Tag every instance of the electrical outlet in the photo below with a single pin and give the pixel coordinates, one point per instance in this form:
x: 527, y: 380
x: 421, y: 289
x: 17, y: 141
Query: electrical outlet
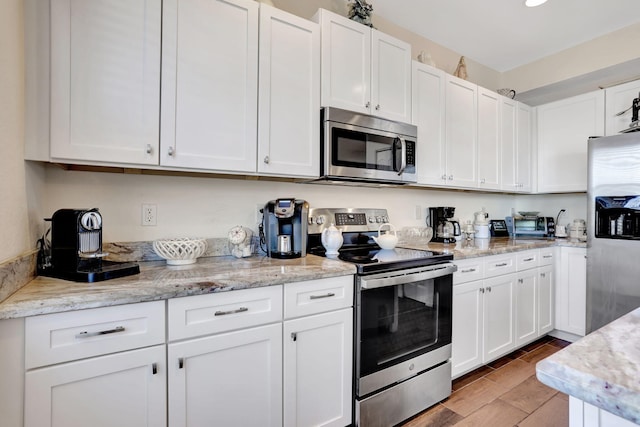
x: 149, y: 215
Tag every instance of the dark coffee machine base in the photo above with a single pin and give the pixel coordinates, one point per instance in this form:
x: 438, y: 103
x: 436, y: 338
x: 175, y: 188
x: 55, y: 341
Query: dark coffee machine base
x: 286, y: 255
x: 108, y: 270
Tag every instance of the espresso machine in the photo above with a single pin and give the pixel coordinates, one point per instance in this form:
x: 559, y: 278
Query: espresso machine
x: 284, y: 223
x: 75, y: 249
x: 445, y: 228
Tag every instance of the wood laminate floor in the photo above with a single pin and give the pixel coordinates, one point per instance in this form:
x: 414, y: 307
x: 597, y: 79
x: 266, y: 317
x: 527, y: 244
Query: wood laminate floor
x: 504, y: 393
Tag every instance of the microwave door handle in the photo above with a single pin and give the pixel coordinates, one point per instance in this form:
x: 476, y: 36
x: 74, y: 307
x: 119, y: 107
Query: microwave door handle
x: 403, y: 155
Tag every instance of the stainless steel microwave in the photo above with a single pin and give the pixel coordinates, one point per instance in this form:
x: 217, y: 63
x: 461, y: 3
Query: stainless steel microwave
x: 358, y: 147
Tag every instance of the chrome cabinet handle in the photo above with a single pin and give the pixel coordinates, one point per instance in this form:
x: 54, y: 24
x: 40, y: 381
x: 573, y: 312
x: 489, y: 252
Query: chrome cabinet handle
x: 294, y: 336
x: 547, y: 256
x: 503, y: 264
x: 154, y: 368
x: 470, y: 270
x: 328, y: 295
x: 115, y: 330
x: 171, y: 151
x: 367, y: 105
x: 527, y: 259
x: 267, y: 159
x: 223, y: 313
x: 149, y: 149
x: 180, y: 363
x: 377, y: 107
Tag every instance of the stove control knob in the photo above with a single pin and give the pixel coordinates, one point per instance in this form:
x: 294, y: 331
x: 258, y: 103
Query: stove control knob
x: 385, y: 219
x: 378, y: 219
x: 320, y: 220
x: 372, y: 219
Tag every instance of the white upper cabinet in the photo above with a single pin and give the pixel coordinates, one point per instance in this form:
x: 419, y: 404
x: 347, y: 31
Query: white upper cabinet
x: 105, y: 80
x: 508, y: 145
x: 524, y: 149
x: 428, y: 112
x: 489, y: 132
x: 564, y: 128
x: 209, y: 84
x: 289, y: 95
x: 364, y: 70
x: 617, y: 100
x: 461, y: 132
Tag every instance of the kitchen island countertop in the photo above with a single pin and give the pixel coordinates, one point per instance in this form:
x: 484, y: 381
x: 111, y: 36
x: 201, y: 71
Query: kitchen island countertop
x: 601, y: 369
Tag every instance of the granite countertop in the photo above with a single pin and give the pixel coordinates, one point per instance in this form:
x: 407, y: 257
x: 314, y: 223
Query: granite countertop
x: 157, y: 281
x: 601, y: 369
x: 494, y: 246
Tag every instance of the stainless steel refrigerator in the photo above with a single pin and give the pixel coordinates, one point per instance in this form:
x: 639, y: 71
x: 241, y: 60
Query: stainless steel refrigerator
x: 613, y: 236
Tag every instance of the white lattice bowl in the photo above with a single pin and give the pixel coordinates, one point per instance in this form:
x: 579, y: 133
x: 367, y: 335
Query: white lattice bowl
x: 180, y: 251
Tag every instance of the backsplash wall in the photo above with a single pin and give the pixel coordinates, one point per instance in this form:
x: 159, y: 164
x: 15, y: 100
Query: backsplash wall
x: 209, y: 207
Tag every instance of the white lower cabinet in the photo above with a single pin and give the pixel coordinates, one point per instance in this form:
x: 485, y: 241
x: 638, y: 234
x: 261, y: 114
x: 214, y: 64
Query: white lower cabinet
x: 317, y: 369
x: 120, y: 384
x: 571, y: 291
x: 500, y: 303
x: 227, y: 379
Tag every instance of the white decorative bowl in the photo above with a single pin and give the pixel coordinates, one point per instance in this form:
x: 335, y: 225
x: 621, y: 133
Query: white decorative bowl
x: 180, y: 251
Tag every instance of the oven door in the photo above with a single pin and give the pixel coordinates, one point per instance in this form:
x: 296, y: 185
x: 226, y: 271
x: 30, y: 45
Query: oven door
x: 361, y: 153
x: 403, y: 324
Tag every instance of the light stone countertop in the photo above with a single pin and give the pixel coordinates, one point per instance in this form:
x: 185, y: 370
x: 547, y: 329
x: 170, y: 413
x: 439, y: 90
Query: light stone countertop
x: 602, y: 369
x: 157, y: 281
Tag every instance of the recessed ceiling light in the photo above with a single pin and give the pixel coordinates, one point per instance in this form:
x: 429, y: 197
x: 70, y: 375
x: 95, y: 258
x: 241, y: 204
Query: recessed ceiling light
x: 534, y: 3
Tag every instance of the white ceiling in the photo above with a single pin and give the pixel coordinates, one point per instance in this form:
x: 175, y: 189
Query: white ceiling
x: 505, y: 34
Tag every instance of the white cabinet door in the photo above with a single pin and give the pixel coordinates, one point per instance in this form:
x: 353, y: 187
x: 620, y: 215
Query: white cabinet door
x: 428, y: 106
x: 390, y: 77
x: 209, y: 84
x: 467, y: 330
x: 489, y: 132
x: 105, y: 80
x: 289, y: 95
x: 618, y: 99
x: 564, y: 128
x: 232, y: 379
x: 461, y: 132
x: 499, y: 316
x: 126, y: 389
x: 508, y: 145
x: 318, y: 369
x: 545, y: 299
x: 526, y: 306
x: 346, y: 62
x: 571, y: 291
x: 524, y: 149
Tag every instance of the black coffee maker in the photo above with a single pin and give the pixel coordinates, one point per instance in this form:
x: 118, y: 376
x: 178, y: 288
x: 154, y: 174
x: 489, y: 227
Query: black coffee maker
x: 284, y: 223
x: 75, y: 249
x: 445, y: 228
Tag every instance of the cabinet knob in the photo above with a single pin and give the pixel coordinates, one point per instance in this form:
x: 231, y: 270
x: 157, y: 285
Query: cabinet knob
x: 482, y: 181
x: 266, y: 159
x: 482, y: 290
x: 367, y: 105
x: 149, y: 149
x: 543, y: 275
x: 450, y: 177
x: 171, y: 151
x: 488, y: 288
x: 154, y: 368
x: 444, y: 177
x: 294, y: 336
x: 377, y: 107
x: 520, y: 281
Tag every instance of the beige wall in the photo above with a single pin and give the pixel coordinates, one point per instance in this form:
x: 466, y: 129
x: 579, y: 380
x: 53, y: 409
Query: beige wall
x: 15, y: 236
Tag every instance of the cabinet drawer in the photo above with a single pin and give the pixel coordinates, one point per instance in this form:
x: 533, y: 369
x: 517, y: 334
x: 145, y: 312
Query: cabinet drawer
x: 317, y: 296
x: 468, y: 270
x: 499, y: 264
x: 61, y: 337
x: 527, y: 259
x: 224, y: 311
x: 547, y: 256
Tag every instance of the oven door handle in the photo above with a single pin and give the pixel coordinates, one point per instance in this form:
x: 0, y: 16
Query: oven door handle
x: 401, y: 279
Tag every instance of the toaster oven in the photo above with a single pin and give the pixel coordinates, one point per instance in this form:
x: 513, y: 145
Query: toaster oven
x: 531, y: 226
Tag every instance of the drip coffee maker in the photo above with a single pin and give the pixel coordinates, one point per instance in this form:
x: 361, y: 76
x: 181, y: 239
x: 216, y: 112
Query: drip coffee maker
x: 447, y: 229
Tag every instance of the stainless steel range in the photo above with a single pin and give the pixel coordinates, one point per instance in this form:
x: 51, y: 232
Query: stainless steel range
x: 402, y: 318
